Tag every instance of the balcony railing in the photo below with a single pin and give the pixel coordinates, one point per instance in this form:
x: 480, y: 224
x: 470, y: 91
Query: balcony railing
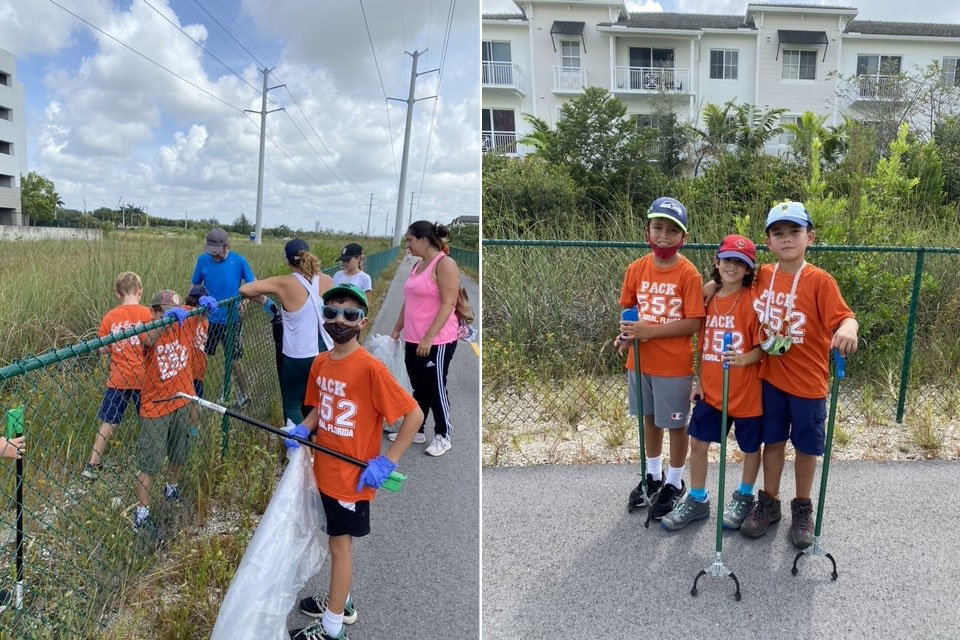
x: 502, y: 74
x: 500, y: 141
x: 874, y: 86
x: 569, y: 78
x: 651, y: 80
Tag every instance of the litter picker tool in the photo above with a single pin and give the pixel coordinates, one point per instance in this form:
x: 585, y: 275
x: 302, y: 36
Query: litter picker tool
x: 393, y: 483
x: 718, y: 569
x: 642, y: 490
x: 15, y: 430
x: 815, y: 549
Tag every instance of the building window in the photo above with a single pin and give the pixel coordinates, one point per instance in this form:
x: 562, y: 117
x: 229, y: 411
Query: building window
x: 499, y: 130
x: 951, y: 71
x: 6, y: 181
x: 799, y: 65
x: 723, y: 64
x: 6, y: 147
x: 570, y: 54
x: 497, y: 65
x: 786, y: 137
x: 878, y: 65
x: 4, y: 78
x: 4, y: 113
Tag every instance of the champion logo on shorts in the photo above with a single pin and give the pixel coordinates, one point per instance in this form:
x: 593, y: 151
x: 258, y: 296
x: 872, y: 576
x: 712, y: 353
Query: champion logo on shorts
x: 676, y: 415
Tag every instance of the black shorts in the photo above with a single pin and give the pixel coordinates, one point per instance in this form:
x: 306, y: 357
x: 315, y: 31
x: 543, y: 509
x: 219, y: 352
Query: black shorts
x: 217, y: 333
x: 344, y: 522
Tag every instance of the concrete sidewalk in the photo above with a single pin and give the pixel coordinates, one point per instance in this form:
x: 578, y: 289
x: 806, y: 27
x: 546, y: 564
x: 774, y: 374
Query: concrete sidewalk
x: 417, y: 575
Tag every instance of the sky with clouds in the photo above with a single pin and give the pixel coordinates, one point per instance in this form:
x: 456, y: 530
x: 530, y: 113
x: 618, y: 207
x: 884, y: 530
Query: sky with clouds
x: 105, y: 124
x: 893, y: 10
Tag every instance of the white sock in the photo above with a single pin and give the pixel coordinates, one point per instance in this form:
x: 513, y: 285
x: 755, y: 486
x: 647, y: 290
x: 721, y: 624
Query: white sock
x: 655, y: 467
x: 674, y: 476
x: 172, y: 487
x: 142, y: 512
x: 332, y: 622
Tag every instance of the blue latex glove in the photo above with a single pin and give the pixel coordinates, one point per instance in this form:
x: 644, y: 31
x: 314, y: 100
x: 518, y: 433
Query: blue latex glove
x: 209, y: 303
x: 179, y: 314
x: 377, y: 471
x: 270, y: 307
x: 301, y: 431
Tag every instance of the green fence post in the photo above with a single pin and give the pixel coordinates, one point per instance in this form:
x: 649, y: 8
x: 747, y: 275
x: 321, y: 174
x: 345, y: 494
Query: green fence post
x: 233, y: 315
x: 911, y: 324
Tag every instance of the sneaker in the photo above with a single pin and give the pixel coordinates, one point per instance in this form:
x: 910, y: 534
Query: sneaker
x: 146, y: 525
x: 637, y: 499
x: 736, y: 512
x: 91, y: 471
x: 668, y: 499
x: 314, y: 606
x: 171, y: 492
x: 419, y: 438
x: 801, y: 523
x: 439, y: 446
x: 316, y: 632
x: 765, y: 512
x: 685, y: 513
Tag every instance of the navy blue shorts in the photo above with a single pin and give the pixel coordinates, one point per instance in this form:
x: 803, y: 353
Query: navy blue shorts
x: 198, y: 388
x: 705, y: 426
x: 342, y: 521
x: 799, y: 419
x: 114, y: 404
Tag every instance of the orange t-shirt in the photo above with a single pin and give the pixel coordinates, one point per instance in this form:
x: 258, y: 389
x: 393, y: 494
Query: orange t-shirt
x: 817, y: 313
x: 662, y: 296
x: 353, y: 397
x: 195, y: 328
x: 168, y: 371
x: 730, y: 314
x: 126, y: 356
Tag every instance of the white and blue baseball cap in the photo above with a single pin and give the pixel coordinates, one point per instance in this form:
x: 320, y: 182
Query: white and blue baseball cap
x: 671, y: 209
x: 789, y: 211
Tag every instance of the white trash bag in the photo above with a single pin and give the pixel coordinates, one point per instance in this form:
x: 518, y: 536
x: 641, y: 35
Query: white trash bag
x: 287, y: 549
x: 391, y: 353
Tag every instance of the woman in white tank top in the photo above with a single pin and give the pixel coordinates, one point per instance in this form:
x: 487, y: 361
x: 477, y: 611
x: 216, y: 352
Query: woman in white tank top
x: 303, y: 334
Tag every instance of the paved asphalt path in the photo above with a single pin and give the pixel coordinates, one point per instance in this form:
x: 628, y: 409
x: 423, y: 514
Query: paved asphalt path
x: 417, y: 575
x: 562, y: 558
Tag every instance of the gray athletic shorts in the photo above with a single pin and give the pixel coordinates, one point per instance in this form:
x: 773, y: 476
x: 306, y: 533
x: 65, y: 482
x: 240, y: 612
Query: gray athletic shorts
x: 666, y: 399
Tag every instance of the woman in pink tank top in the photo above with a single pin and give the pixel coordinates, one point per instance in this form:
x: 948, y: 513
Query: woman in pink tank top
x: 429, y: 327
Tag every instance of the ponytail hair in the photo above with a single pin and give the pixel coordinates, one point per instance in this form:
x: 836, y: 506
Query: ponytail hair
x: 307, y: 264
x: 433, y: 232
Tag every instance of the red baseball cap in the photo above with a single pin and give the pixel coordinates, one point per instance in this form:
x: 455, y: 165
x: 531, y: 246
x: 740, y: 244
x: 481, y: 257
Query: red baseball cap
x: 734, y: 246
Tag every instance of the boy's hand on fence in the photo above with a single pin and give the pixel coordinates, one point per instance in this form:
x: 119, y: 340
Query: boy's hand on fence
x: 377, y: 471
x: 12, y: 449
x: 208, y: 302
x: 178, y: 314
x: 845, y: 339
x: 300, y: 431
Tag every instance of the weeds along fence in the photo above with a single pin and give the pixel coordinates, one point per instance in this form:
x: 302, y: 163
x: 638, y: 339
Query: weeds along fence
x: 551, y: 312
x: 77, y: 543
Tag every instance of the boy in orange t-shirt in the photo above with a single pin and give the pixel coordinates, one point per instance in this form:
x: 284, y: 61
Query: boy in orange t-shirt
x: 126, y: 364
x: 351, y: 393
x: 196, y: 328
x: 730, y: 310
x: 164, y: 417
x: 668, y: 293
x: 803, y: 316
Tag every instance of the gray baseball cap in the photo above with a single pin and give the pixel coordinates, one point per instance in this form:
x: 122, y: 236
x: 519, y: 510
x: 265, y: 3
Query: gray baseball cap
x: 217, y: 239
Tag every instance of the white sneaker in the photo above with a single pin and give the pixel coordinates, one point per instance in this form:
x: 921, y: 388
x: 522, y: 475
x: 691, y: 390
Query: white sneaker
x: 419, y: 438
x: 439, y: 446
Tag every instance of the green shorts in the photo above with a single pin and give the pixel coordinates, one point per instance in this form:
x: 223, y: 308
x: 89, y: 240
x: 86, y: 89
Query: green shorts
x: 163, y: 437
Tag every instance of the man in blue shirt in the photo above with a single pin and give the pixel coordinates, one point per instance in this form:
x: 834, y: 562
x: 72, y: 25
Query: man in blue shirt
x: 222, y: 272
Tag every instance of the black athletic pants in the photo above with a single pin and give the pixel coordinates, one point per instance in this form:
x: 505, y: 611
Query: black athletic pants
x: 428, y: 377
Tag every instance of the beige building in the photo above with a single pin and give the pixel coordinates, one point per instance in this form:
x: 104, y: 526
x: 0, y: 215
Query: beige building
x: 13, y: 140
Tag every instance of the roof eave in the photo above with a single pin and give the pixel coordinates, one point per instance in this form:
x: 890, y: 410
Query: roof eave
x: 650, y: 31
x: 829, y: 11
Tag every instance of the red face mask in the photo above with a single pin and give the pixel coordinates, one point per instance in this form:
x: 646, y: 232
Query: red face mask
x: 664, y: 253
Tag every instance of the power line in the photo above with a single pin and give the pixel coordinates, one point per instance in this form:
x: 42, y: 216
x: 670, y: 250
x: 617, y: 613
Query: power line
x: 314, y: 149
x: 386, y: 103
x: 255, y: 59
x: 240, y: 27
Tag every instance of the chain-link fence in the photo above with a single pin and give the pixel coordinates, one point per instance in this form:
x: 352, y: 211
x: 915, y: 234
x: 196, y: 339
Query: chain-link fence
x: 466, y: 259
x: 551, y: 312
x: 69, y: 547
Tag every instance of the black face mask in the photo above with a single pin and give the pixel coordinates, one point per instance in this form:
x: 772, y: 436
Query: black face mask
x: 341, y: 333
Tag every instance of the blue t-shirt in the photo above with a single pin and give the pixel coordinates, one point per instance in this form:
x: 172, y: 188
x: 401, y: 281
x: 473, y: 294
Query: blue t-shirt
x: 222, y: 279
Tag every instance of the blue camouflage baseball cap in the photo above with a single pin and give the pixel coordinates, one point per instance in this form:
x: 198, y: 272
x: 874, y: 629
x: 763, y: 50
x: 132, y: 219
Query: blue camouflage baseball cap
x: 671, y: 209
x: 789, y: 211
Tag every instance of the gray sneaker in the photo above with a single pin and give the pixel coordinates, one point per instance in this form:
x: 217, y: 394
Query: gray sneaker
x: 685, y: 513
x: 736, y: 512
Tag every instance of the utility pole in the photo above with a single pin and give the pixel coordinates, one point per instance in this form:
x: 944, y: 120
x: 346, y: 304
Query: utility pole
x: 369, y: 213
x: 123, y: 213
x: 410, y: 215
x: 184, y: 220
x: 411, y: 100
x: 263, y: 133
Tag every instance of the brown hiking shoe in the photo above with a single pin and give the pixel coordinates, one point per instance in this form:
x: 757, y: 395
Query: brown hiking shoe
x: 801, y: 523
x: 765, y: 512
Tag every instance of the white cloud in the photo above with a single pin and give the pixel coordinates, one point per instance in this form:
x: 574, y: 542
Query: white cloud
x: 645, y: 6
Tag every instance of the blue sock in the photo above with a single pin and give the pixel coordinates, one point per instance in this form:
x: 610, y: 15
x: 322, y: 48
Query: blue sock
x: 700, y: 495
x: 746, y: 489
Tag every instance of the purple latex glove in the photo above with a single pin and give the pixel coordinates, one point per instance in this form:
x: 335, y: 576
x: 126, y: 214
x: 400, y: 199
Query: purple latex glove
x: 208, y: 302
x: 177, y: 313
x: 301, y: 431
x: 377, y: 471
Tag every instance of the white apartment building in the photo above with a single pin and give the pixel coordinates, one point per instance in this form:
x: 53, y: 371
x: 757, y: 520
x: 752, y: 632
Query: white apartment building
x: 13, y: 140
x: 789, y: 56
